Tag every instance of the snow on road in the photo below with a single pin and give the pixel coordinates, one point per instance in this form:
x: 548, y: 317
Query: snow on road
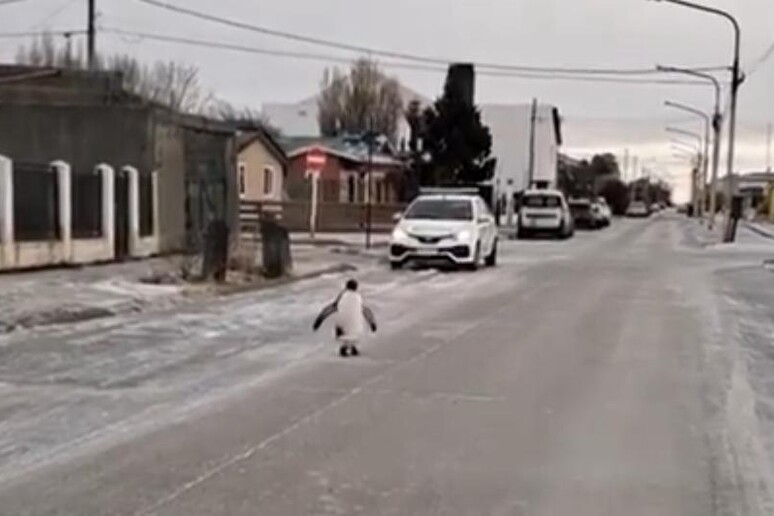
x: 66, y: 388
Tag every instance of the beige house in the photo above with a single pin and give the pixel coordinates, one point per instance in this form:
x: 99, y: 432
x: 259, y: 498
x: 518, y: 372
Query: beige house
x: 261, y: 167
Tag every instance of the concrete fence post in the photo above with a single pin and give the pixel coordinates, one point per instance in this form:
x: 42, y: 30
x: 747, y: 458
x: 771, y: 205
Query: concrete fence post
x: 64, y: 196
x: 6, y: 212
x: 108, y: 176
x: 155, y: 203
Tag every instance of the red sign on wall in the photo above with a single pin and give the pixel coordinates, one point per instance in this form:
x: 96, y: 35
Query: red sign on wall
x: 315, y: 160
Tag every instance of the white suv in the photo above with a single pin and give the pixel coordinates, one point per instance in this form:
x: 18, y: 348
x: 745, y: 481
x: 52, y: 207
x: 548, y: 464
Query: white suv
x: 445, y: 228
x: 545, y: 211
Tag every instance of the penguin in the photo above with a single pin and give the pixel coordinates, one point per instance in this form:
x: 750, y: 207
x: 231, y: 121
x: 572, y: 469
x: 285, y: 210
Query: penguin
x: 350, y: 311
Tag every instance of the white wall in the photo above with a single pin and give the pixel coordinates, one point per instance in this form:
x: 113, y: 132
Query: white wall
x: 510, y: 128
x: 66, y: 250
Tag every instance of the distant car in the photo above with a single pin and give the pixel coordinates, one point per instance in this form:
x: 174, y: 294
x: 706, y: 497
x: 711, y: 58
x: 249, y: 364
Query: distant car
x: 637, y: 209
x: 445, y: 229
x: 545, y: 211
x: 655, y: 207
x: 587, y: 214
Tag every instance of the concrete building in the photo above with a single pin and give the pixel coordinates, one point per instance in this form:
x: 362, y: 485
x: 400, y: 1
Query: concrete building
x: 87, y: 119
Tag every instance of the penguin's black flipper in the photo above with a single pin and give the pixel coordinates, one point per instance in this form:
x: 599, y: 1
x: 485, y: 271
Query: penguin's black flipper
x: 326, y: 312
x: 369, y: 316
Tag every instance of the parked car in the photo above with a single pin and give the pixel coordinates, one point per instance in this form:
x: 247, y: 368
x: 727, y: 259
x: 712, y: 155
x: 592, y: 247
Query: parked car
x: 605, y: 210
x: 637, y: 209
x: 545, y: 211
x: 451, y: 228
x: 655, y: 207
x: 586, y: 214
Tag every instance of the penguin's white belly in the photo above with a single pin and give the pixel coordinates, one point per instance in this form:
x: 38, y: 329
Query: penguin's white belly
x: 349, y: 316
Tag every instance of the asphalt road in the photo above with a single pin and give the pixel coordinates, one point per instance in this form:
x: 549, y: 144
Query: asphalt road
x: 573, y: 379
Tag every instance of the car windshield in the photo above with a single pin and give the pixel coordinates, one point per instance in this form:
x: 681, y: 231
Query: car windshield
x: 541, y: 201
x: 440, y: 209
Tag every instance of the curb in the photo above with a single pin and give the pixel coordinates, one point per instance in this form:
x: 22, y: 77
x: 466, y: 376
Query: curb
x: 89, y: 313
x: 761, y: 232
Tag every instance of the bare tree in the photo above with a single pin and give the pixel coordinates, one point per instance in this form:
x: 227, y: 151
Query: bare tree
x: 168, y: 83
x: 363, y: 100
x: 245, y: 118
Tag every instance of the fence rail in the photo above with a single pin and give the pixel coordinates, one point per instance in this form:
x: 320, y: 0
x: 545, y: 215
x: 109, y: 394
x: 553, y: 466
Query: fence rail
x: 331, y: 216
x: 36, y: 202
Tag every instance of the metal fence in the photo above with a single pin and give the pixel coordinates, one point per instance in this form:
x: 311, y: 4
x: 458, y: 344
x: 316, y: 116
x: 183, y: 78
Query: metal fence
x: 36, y: 202
x: 86, y: 195
x: 146, y: 204
x: 331, y: 216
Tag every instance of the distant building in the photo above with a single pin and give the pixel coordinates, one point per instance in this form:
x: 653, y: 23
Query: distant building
x: 262, y: 166
x: 753, y: 186
x: 518, y: 139
x: 511, y: 126
x: 344, y: 178
x: 299, y: 119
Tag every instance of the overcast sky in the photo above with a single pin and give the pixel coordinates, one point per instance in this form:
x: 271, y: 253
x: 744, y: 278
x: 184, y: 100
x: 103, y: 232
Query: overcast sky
x: 566, y: 33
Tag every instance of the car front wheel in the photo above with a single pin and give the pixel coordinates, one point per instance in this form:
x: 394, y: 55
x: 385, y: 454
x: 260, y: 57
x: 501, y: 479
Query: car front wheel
x: 473, y: 266
x: 491, y: 259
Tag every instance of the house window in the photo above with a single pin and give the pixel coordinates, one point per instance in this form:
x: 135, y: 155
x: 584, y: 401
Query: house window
x: 242, y: 179
x: 268, y: 181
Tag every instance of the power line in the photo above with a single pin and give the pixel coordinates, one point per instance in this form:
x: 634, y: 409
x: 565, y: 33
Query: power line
x: 329, y: 58
x: 53, y: 14
x: 397, y: 55
x: 761, y: 60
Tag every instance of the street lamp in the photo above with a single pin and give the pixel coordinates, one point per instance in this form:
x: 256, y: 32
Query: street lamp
x: 695, y: 189
x: 684, y: 146
x: 691, y: 134
x: 736, y: 79
x: 717, y: 125
x: 705, y: 157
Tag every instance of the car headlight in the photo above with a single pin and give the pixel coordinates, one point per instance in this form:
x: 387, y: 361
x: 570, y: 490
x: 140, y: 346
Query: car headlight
x: 464, y: 236
x: 399, y: 234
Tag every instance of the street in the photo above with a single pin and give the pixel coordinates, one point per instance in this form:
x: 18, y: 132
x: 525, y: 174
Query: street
x: 599, y: 376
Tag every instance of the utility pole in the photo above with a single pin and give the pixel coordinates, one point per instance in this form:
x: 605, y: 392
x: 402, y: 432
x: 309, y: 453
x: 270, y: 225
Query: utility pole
x: 92, y: 36
x: 369, y: 192
x: 532, y: 121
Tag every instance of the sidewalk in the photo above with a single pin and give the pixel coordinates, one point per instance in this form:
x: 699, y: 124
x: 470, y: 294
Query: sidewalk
x: 62, y: 296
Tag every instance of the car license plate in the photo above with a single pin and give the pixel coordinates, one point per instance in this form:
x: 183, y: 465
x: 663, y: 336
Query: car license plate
x: 426, y: 252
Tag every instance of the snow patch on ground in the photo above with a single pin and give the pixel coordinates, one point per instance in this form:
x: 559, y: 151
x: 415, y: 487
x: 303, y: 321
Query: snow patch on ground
x: 744, y: 466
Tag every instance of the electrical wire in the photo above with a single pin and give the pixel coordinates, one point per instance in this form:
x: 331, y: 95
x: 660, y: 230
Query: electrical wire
x: 396, y: 55
x: 761, y: 60
x: 329, y: 58
x: 53, y: 14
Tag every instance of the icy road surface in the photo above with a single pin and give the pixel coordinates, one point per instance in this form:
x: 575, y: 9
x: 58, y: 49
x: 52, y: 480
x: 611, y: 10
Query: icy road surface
x: 592, y: 377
